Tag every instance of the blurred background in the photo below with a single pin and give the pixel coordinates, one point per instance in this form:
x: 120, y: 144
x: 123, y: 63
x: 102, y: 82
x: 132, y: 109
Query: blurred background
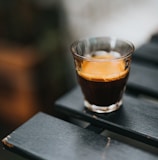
x: 36, y: 65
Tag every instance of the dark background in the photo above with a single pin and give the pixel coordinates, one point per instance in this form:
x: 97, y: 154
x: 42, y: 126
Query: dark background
x: 34, y: 61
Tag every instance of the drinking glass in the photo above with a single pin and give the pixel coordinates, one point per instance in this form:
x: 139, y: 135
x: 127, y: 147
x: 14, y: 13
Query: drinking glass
x: 102, y: 66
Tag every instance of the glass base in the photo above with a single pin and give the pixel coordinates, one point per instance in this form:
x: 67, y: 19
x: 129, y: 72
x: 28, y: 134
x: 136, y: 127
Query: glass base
x: 102, y: 109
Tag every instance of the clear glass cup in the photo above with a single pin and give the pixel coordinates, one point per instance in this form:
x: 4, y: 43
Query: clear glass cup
x: 102, y: 66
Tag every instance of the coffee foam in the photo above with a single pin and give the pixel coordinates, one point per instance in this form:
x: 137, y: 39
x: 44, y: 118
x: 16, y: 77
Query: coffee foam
x: 103, y: 71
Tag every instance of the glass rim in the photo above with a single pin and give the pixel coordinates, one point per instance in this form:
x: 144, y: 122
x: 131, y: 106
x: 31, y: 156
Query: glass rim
x: 114, y: 39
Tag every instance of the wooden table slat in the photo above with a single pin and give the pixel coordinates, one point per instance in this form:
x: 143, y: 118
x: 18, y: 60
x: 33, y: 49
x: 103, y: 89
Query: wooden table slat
x: 147, y: 53
x: 136, y: 119
x: 46, y: 137
x: 143, y: 79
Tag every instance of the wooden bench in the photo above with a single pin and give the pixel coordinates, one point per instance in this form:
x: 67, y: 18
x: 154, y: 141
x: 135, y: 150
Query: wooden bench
x: 129, y: 133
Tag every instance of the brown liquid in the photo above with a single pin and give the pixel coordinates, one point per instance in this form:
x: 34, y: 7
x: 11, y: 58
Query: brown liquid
x: 103, y: 83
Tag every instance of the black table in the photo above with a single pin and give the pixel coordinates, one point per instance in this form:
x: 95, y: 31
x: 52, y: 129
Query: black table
x: 129, y: 133
x: 138, y: 117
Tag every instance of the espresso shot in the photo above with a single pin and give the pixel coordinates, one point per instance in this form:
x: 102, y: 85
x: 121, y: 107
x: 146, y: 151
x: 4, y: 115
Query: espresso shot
x: 103, y: 93
x: 102, y: 67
